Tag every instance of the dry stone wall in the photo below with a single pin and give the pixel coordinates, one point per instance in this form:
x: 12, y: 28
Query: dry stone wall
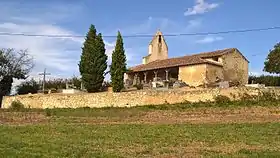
x: 124, y: 99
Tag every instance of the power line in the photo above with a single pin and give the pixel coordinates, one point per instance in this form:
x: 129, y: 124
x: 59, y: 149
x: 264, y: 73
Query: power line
x: 143, y: 35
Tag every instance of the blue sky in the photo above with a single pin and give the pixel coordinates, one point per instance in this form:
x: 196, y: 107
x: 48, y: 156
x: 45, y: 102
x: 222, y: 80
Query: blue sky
x: 68, y: 17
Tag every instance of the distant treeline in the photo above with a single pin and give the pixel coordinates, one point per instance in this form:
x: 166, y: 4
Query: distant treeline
x: 265, y: 79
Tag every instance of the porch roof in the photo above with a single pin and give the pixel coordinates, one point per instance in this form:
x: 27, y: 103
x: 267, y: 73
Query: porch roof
x: 182, y: 61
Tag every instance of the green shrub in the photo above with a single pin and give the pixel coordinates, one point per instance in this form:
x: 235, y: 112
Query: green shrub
x: 268, y: 96
x: 17, y: 106
x: 28, y: 87
x: 48, y: 112
x: 264, y: 96
x: 221, y: 99
x: 247, y: 97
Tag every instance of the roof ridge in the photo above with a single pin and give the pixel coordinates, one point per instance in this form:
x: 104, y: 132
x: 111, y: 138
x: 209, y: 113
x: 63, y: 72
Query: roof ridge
x: 218, y: 50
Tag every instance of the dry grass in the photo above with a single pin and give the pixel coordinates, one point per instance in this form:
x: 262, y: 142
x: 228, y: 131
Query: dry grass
x: 137, y: 116
x: 22, y: 118
x: 164, y: 132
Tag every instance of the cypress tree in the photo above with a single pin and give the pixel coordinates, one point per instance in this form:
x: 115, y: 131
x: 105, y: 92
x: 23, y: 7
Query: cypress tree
x: 118, y: 66
x: 93, y: 61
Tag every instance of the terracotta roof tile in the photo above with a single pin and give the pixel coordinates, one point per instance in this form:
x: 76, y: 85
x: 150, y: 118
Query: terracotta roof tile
x: 182, y: 61
x: 214, y: 53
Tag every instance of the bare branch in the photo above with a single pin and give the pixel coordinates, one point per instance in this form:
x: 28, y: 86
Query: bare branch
x: 16, y: 64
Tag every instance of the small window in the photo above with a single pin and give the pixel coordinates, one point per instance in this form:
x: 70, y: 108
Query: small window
x: 159, y: 38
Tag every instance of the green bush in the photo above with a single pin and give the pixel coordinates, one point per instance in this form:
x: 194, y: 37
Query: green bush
x: 28, y: 87
x: 17, y: 106
x: 247, y: 97
x: 221, y: 99
x: 268, y: 96
x: 48, y: 112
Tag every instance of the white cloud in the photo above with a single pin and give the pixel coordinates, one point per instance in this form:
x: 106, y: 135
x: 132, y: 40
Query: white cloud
x: 38, y: 12
x: 59, y: 55
x: 139, y: 46
x: 167, y: 26
x: 209, y: 40
x: 200, y: 7
x: 47, y: 52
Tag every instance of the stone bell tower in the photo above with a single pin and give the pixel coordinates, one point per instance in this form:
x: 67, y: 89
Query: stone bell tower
x: 158, y: 49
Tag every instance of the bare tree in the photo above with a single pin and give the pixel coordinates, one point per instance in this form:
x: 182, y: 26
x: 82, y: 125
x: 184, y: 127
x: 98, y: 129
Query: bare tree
x: 13, y: 64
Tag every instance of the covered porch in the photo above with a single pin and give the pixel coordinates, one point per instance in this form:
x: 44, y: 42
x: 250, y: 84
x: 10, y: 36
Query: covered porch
x: 154, y: 75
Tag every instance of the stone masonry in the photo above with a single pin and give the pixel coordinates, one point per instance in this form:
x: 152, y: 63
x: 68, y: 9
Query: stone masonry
x: 124, y: 99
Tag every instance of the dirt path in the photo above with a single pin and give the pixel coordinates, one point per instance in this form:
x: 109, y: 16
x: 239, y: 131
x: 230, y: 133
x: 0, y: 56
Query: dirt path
x: 195, y: 116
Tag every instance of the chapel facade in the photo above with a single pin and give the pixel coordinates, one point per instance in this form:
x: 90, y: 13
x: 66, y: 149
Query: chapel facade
x: 195, y: 69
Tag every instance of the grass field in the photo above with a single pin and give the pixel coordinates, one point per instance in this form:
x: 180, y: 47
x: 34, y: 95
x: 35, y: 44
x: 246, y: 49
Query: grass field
x: 131, y: 140
x: 226, y: 129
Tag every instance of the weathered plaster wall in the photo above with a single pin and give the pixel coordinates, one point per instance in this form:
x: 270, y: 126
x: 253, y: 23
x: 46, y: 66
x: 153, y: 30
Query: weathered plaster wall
x: 125, y: 99
x: 158, y: 49
x: 212, y: 72
x: 235, y: 67
x: 145, y: 59
x: 193, y: 75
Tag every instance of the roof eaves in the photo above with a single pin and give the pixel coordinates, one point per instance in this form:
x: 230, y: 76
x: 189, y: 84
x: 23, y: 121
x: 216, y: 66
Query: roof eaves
x: 201, y: 61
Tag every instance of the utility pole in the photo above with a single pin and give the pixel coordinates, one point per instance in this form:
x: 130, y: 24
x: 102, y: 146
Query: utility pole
x: 44, y: 78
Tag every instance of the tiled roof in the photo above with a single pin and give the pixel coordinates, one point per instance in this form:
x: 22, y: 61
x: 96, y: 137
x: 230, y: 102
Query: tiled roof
x: 214, y: 53
x: 182, y: 61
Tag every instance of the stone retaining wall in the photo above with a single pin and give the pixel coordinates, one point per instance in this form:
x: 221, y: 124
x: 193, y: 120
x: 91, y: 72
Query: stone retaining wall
x: 124, y: 99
